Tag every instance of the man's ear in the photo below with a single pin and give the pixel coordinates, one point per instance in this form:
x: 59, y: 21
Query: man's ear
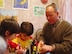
x: 7, y: 33
x: 57, y: 13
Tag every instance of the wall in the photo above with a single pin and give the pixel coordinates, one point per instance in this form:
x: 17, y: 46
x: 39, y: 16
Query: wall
x: 27, y: 15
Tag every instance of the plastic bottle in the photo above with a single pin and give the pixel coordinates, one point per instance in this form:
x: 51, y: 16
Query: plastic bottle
x: 34, y: 47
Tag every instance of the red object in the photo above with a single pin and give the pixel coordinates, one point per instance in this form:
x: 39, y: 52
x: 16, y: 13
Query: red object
x: 12, y: 44
x: 31, y: 37
x: 44, y: 1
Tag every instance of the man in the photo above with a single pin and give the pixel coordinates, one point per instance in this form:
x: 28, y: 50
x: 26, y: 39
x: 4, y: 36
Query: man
x: 57, y: 34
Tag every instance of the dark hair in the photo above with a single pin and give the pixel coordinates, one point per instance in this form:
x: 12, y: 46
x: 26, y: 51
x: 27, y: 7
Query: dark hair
x: 53, y: 5
x: 0, y: 29
x: 27, y: 28
x: 9, y: 25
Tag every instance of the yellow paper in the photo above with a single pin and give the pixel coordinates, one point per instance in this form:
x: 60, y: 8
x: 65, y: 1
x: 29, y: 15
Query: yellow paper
x: 1, y: 3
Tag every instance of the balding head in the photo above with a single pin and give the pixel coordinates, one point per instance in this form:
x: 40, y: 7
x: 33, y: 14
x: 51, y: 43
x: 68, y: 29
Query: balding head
x: 52, y: 7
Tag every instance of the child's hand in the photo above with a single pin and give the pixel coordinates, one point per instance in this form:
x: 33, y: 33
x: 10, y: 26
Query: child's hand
x: 19, y: 50
x: 18, y: 47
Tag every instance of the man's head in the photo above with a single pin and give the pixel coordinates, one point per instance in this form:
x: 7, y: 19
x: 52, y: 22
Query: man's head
x: 51, y: 13
x: 9, y: 28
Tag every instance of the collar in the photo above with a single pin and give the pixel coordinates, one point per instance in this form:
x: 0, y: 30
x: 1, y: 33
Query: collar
x: 55, y: 25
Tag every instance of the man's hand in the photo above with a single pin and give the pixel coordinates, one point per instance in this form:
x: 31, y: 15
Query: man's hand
x: 46, y: 48
x: 41, y: 43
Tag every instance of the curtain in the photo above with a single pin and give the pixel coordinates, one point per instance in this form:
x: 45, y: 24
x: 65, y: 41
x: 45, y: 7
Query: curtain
x: 65, y: 8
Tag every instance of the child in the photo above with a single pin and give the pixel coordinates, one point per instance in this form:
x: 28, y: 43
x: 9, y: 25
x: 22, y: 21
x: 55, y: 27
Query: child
x: 24, y: 39
x: 8, y: 30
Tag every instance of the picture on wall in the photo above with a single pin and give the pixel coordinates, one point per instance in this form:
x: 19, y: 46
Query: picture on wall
x: 20, y: 4
x: 8, y: 14
x: 38, y: 11
x: 1, y: 3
